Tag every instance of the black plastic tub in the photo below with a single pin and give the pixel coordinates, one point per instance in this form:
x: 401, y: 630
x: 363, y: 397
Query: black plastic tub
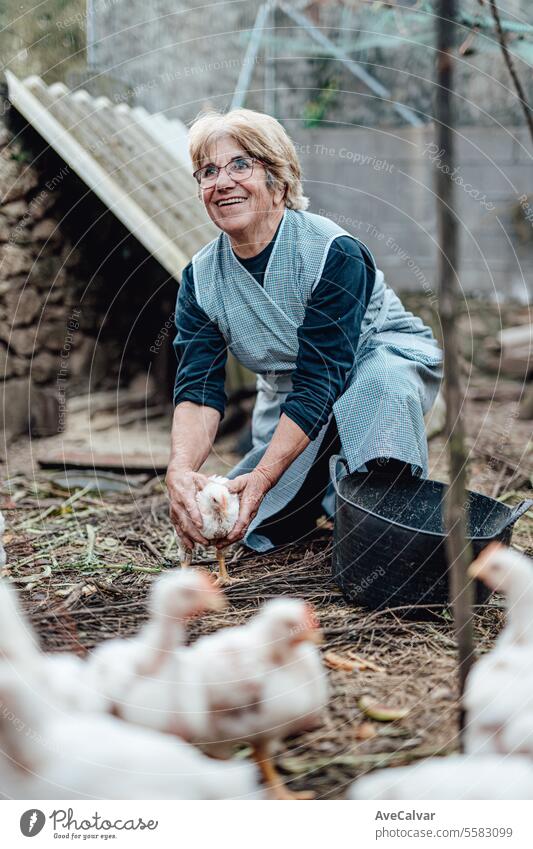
x: 389, y: 538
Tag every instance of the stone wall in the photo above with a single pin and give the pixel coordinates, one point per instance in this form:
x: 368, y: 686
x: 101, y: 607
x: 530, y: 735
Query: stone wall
x: 81, y: 301
x: 33, y: 273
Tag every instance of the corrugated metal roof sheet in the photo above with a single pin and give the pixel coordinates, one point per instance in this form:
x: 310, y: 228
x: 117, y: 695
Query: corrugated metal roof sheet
x: 137, y: 163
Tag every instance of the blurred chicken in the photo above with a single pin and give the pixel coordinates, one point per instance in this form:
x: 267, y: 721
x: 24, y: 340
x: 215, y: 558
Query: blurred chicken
x: 510, y: 572
x: 63, y: 673
x: 254, y: 683
x: 118, y: 666
x: 46, y: 754
x: 263, y: 681
x: 105, y: 678
x: 499, y: 691
x: 219, y: 509
x: 456, y: 777
x: 2, y: 550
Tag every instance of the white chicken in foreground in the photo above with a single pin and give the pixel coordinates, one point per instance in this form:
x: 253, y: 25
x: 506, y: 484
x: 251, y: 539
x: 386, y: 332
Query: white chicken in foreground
x: 47, y: 754
x: 107, y: 677
x: 253, y: 683
x: 499, y: 703
x: 499, y: 690
x: 118, y: 668
x: 262, y: 681
x: 2, y: 550
x: 64, y: 674
x: 508, y: 571
x: 455, y: 777
x: 219, y: 509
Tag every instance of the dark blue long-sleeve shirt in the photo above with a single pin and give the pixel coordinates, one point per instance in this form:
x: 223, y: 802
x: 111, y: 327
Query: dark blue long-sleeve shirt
x: 327, y: 337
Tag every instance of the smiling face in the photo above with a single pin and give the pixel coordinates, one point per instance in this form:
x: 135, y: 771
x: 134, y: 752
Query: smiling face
x: 246, y: 210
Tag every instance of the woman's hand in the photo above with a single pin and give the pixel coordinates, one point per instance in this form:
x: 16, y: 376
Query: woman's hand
x: 182, y: 485
x: 251, y: 489
x: 188, y: 454
x: 288, y: 442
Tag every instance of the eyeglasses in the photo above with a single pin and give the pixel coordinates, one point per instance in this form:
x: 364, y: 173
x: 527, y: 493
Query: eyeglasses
x: 239, y: 168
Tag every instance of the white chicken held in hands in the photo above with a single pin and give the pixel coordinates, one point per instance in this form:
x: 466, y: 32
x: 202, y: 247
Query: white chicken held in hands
x: 219, y: 509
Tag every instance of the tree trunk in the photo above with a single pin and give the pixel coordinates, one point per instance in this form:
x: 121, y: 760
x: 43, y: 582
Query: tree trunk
x: 458, y: 552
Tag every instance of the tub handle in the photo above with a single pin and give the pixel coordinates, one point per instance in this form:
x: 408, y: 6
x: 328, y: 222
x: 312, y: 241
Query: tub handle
x: 518, y: 511
x: 334, y: 463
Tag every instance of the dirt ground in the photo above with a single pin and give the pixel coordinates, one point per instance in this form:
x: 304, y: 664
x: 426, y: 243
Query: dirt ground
x: 83, y: 559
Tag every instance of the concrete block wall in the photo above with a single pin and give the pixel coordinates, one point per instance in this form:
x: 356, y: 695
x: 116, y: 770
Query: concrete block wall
x: 378, y: 185
x: 177, y: 55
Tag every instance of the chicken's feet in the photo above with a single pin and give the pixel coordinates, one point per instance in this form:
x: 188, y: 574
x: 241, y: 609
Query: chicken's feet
x: 273, y: 780
x: 186, y: 559
x: 223, y: 579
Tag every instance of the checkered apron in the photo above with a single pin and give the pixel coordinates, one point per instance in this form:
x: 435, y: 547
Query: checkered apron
x: 394, y: 380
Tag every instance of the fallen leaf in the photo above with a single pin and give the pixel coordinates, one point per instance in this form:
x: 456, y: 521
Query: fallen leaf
x: 336, y: 661
x: 381, y: 712
x: 364, y: 663
x: 441, y: 693
x: 365, y: 731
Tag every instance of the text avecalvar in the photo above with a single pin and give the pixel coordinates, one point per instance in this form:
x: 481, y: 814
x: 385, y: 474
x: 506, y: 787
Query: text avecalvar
x: 404, y: 815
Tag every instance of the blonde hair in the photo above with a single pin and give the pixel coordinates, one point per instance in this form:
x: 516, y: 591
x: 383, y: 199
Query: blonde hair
x: 262, y: 137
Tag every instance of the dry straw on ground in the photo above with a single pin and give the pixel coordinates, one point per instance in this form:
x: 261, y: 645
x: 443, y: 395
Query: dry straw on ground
x: 84, y: 561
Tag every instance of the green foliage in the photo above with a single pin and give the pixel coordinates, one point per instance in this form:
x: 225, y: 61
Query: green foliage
x: 48, y: 38
x: 21, y: 156
x: 315, y: 111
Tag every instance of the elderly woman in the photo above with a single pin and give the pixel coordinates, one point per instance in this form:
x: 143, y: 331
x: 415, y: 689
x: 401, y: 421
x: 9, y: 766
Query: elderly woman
x: 341, y: 365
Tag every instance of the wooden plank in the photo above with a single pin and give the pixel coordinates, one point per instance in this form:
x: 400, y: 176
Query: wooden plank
x: 79, y: 459
x: 521, y: 335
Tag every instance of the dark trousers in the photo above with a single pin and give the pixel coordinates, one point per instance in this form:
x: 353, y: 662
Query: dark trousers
x: 298, y: 517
